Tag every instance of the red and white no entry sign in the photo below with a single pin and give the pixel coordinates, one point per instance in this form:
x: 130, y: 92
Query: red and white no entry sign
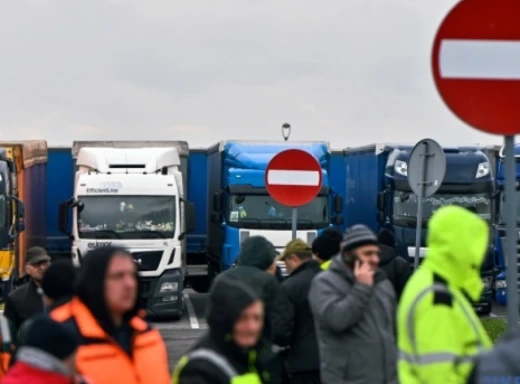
x: 293, y: 177
x: 476, y: 64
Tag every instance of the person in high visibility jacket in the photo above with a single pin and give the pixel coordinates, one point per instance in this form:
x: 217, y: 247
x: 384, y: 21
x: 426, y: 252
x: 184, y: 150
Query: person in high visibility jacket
x: 439, y: 333
x: 326, y: 246
x: 231, y: 352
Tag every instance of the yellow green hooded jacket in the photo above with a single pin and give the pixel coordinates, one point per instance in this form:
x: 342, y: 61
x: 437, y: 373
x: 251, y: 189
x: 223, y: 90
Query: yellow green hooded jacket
x: 438, y: 330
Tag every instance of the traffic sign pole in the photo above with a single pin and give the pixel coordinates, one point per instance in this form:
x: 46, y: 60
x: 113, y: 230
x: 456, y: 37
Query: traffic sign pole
x: 511, y: 235
x: 420, y: 197
x: 294, y: 222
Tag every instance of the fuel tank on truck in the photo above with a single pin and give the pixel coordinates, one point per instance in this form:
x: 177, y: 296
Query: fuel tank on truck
x: 30, y: 186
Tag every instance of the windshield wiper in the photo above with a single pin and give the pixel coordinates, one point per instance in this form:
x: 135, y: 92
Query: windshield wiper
x: 111, y: 231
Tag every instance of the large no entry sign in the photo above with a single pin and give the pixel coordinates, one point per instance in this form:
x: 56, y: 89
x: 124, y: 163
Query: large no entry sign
x: 293, y: 177
x: 476, y: 64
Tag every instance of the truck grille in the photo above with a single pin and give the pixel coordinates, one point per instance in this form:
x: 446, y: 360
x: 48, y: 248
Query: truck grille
x: 146, y: 288
x: 504, y: 241
x: 147, y: 260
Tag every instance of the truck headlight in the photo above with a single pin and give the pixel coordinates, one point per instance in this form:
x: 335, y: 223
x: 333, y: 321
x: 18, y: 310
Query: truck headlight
x: 168, y: 287
x: 486, y: 283
x: 401, y: 167
x: 500, y: 284
x: 483, y: 170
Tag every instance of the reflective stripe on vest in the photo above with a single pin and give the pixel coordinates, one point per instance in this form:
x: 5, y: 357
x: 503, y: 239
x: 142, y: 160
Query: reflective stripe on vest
x: 437, y: 357
x: 218, y: 361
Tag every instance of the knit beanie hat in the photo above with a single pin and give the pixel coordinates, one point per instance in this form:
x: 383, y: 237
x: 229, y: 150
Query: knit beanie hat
x: 58, y: 280
x: 52, y: 337
x: 327, y: 244
x: 386, y: 237
x: 357, y: 236
x: 257, y: 252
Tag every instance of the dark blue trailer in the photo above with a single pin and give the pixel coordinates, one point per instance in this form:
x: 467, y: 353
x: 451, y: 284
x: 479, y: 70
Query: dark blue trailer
x: 60, y: 187
x: 197, y: 265
x: 338, y: 179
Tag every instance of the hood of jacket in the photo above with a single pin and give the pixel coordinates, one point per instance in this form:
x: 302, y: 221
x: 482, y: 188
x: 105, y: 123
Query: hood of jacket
x: 90, y: 285
x: 457, y: 241
x: 257, y: 252
x: 387, y: 254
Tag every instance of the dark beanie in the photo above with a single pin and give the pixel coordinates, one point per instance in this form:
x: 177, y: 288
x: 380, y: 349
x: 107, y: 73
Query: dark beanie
x: 58, y: 280
x: 52, y: 337
x: 327, y: 244
x: 357, y: 236
x: 257, y: 252
x: 386, y: 237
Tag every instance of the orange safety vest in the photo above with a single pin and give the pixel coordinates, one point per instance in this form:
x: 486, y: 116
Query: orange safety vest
x: 102, y: 360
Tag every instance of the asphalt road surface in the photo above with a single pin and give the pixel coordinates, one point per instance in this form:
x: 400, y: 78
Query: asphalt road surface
x: 180, y: 335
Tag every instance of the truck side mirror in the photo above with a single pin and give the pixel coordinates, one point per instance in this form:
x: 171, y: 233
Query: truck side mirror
x: 380, y: 217
x: 189, y: 212
x: 338, y: 220
x: 63, y: 217
x: 338, y: 204
x: 381, y: 201
x: 216, y: 202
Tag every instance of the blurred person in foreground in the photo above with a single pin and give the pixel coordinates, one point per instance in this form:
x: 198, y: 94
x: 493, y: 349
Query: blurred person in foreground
x: 256, y: 267
x: 439, y: 332
x: 232, y: 351
x: 397, y: 269
x: 302, y: 360
x: 27, y: 300
x: 353, y: 304
x: 116, y: 345
x: 326, y: 245
x: 58, y: 288
x: 48, y: 356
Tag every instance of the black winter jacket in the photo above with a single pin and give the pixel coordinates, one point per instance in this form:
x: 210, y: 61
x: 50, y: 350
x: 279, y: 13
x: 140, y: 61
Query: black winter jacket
x: 303, y: 352
x: 396, y: 268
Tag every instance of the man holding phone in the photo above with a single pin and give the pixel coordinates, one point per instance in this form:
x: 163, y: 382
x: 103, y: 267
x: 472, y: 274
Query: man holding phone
x: 353, y: 305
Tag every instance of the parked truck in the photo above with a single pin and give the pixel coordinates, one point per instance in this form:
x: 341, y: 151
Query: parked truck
x: 496, y: 156
x: 27, y: 208
x: 239, y: 205
x: 60, y: 187
x: 378, y: 195
x: 197, y: 266
x: 133, y: 194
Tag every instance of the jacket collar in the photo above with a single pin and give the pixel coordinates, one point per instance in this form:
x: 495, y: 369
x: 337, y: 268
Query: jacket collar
x: 89, y: 327
x: 310, y: 264
x: 39, y: 359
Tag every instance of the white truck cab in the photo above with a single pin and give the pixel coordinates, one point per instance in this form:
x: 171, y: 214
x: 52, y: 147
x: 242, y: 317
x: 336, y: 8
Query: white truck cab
x: 135, y: 198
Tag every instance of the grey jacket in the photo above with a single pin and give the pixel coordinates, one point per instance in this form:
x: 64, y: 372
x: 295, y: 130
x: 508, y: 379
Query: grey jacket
x: 355, y: 325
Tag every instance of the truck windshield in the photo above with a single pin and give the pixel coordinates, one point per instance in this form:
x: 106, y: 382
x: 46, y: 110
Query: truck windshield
x: 405, y: 205
x: 501, y: 218
x: 261, y: 211
x: 126, y: 217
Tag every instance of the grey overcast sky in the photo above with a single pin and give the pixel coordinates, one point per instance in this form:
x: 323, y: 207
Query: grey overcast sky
x: 351, y: 72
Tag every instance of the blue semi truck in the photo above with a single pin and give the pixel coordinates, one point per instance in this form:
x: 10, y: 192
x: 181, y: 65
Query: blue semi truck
x: 60, y: 187
x: 378, y: 195
x: 239, y: 205
x: 496, y: 155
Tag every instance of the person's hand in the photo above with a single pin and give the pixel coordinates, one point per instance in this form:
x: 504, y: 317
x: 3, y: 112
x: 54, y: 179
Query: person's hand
x: 363, y: 273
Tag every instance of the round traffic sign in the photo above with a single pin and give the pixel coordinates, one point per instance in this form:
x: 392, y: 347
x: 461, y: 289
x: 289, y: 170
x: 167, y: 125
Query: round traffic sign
x: 293, y: 177
x: 476, y: 64
x: 432, y: 176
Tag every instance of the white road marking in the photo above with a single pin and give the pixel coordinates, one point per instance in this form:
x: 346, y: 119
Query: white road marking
x: 479, y: 59
x: 291, y: 177
x: 191, y: 312
x: 492, y: 315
